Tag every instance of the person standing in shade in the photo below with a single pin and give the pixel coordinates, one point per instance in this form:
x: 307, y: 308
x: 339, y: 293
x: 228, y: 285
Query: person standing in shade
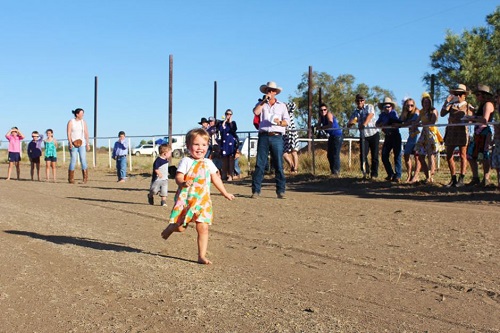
x: 328, y: 122
x: 79, y: 144
x: 478, y: 148
x: 392, y: 141
x: 495, y: 155
x: 456, y: 136
x: 274, y: 119
x: 120, y: 153
x: 364, y: 116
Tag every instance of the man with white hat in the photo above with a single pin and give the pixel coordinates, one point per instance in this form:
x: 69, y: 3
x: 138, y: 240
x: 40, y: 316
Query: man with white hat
x: 274, y: 119
x: 456, y: 136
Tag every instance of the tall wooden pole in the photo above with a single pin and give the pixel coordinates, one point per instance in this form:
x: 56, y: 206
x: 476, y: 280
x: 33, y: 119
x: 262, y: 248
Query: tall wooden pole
x: 433, y: 82
x: 215, y: 99
x: 309, y: 118
x: 95, y: 121
x: 170, y: 89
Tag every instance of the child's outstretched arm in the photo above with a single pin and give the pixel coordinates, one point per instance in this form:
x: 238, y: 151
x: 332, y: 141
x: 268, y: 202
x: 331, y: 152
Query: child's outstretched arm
x: 220, y: 186
x: 179, y: 180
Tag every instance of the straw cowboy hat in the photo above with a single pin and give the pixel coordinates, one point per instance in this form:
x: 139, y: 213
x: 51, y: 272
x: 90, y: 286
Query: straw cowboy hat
x: 387, y: 100
x: 484, y: 89
x: 203, y: 120
x: 461, y: 88
x: 270, y: 85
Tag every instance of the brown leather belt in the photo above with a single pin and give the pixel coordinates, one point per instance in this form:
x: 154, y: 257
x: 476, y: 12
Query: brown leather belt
x: 270, y: 133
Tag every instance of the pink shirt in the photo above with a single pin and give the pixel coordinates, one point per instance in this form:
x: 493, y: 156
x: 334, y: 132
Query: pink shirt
x: 14, y: 143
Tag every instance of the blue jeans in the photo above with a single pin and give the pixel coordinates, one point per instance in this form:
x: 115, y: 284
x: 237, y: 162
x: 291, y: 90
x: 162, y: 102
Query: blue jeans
x: 370, y: 143
x: 121, y: 167
x: 74, y: 152
x: 392, y: 142
x: 333, y: 154
x: 266, y: 144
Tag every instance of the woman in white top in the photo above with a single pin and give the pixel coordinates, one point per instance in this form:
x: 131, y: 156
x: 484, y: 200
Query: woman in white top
x: 78, y: 142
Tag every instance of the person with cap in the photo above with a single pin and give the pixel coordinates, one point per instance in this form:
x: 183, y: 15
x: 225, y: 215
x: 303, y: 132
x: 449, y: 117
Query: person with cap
x: 392, y: 142
x: 274, y: 119
x: 369, y: 136
x: 329, y: 123
x: 456, y: 136
x: 212, y: 131
x: 478, y: 148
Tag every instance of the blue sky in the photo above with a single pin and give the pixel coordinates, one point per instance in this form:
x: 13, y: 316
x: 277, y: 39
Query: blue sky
x: 53, y: 49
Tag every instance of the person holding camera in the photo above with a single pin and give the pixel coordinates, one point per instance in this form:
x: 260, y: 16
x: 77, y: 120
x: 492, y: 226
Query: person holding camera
x: 78, y: 143
x: 328, y: 123
x: 274, y: 119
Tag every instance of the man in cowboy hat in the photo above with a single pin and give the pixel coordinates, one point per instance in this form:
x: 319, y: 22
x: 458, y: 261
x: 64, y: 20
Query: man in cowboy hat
x: 274, y: 119
x: 478, y: 148
x: 369, y: 136
x: 456, y: 136
x: 389, y: 117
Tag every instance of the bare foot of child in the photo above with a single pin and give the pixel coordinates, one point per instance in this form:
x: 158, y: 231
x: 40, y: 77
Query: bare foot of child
x: 204, y: 261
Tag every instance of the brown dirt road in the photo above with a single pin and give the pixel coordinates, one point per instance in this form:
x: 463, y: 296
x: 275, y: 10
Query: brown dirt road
x: 337, y: 255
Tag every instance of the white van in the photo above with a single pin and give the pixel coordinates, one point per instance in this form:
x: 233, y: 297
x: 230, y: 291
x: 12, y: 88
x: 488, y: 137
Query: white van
x: 249, y: 147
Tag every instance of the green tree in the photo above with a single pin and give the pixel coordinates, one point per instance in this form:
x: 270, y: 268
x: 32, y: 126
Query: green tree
x: 338, y: 93
x: 470, y: 58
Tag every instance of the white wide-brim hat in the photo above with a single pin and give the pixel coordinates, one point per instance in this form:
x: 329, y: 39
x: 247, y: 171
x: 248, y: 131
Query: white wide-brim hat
x: 387, y: 100
x: 270, y: 85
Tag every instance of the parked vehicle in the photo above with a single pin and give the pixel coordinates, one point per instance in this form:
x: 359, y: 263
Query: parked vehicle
x: 145, y: 149
x: 249, y: 147
x: 178, y: 144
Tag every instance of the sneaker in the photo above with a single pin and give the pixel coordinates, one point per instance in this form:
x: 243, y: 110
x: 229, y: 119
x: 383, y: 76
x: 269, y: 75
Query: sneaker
x: 255, y: 195
x: 163, y: 203
x: 460, y: 181
x: 151, y: 200
x: 281, y: 196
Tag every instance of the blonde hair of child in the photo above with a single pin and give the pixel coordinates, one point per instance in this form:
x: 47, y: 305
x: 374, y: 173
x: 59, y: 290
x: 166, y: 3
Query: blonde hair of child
x: 192, y: 134
x: 164, y: 148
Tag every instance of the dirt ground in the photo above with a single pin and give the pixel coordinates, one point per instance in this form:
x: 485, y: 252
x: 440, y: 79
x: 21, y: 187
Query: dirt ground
x: 337, y: 255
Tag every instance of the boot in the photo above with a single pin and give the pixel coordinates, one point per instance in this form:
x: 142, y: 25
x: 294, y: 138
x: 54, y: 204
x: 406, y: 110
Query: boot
x: 71, y: 176
x: 460, y: 181
x: 453, y: 182
x: 85, y: 174
x: 475, y: 181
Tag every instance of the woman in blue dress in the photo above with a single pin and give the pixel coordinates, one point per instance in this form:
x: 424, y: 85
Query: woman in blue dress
x: 228, y: 145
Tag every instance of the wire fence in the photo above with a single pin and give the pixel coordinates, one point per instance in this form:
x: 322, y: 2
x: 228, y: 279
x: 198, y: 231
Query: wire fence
x: 312, y: 152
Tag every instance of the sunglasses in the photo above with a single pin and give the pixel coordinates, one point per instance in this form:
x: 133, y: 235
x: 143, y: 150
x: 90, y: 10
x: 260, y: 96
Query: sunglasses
x: 35, y: 136
x: 387, y: 106
x: 410, y: 105
x: 229, y: 114
x: 458, y: 94
x: 324, y: 110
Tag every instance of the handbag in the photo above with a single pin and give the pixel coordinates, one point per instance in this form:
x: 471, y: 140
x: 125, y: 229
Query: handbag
x: 77, y: 143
